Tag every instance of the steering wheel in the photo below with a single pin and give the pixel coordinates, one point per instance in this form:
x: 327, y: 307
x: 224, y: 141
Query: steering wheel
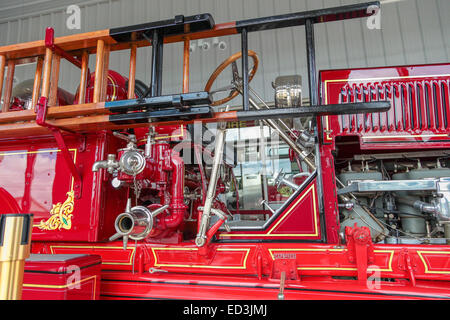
x: 222, y: 66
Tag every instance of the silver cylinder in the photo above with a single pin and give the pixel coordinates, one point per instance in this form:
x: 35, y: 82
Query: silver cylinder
x: 447, y: 232
x: 136, y: 224
x: 218, y: 153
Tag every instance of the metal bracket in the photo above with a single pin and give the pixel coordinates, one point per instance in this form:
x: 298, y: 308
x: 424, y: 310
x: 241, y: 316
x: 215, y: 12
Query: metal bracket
x: 279, y: 180
x: 284, y: 269
x: 265, y: 203
x: 50, y: 43
x: 360, y: 250
x: 282, y: 284
x: 287, y: 265
x: 154, y: 270
x: 406, y: 263
x: 41, y: 115
x: 390, y: 185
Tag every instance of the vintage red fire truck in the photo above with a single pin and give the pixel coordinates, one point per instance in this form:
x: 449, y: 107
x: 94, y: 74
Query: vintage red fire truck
x: 147, y: 196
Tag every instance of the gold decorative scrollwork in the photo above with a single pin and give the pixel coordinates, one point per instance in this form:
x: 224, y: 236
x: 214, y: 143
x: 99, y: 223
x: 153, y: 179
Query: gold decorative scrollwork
x: 61, y: 215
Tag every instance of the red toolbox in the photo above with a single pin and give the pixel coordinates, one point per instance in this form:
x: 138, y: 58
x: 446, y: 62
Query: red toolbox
x: 62, y: 277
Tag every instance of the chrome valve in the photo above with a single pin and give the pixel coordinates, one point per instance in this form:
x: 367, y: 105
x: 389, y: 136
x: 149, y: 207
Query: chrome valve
x: 110, y: 164
x: 279, y: 180
x: 131, y: 162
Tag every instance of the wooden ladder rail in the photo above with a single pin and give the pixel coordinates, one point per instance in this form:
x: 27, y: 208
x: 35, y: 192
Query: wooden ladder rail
x: 8, y: 86
x: 94, y: 115
x: 50, y: 91
x: 37, y: 81
x: 83, y: 77
x: 50, y: 87
x: 186, y: 59
x: 132, y: 71
x: 47, y: 74
x: 104, y: 82
x: 2, y: 74
x: 54, y: 79
x: 98, y: 83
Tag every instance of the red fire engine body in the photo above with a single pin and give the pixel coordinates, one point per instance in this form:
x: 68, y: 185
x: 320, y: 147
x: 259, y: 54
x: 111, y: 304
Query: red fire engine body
x: 357, y: 209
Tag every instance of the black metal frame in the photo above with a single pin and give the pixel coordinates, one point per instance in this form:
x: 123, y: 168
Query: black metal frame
x: 200, y: 112
x: 308, y: 19
x: 178, y: 101
x: 156, y: 31
x: 162, y: 115
x: 199, y: 22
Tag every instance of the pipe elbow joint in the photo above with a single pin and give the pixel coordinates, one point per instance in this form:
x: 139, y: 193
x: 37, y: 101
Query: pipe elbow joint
x: 110, y: 164
x: 99, y: 165
x: 177, y: 206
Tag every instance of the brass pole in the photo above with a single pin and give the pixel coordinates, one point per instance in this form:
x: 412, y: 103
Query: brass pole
x: 186, y: 56
x: 47, y: 72
x: 84, y: 76
x: 132, y: 72
x: 2, y: 73
x: 8, y: 86
x: 98, y: 83
x: 15, y: 236
x: 37, y: 82
x: 104, y: 85
x: 54, y: 78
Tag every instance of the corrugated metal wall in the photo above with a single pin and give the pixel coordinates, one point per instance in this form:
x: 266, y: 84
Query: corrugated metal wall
x: 412, y: 32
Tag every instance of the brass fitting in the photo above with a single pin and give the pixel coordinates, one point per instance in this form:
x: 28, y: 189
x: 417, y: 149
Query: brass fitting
x: 15, y: 236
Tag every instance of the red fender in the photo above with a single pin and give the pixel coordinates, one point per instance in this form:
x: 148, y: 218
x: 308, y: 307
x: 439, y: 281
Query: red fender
x: 7, y: 203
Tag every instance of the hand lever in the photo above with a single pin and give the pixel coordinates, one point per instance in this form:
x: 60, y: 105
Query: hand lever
x: 129, y: 138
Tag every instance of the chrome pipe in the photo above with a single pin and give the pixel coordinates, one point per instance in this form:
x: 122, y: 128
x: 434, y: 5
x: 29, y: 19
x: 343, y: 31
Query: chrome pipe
x: 267, y: 107
x: 419, y: 205
x: 447, y: 231
x: 302, y: 153
x: 110, y: 164
x: 210, y: 194
x: 135, y: 223
x: 271, y: 123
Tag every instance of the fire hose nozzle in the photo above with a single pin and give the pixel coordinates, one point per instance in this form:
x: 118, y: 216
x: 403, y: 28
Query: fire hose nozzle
x: 136, y: 223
